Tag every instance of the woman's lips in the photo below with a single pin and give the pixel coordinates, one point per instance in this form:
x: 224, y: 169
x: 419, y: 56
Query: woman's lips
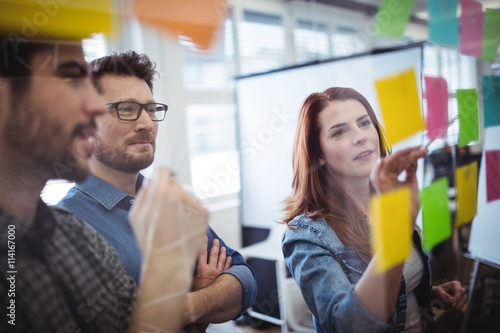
x: 364, y: 154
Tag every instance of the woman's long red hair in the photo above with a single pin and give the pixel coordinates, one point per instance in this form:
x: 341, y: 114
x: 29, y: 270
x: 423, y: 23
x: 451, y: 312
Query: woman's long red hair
x: 315, y: 192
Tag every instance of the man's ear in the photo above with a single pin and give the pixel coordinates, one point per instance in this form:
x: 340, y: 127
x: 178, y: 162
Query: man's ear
x: 4, y: 98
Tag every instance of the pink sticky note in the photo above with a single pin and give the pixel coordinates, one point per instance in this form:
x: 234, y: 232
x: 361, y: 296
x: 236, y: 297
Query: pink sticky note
x: 471, y: 28
x: 436, y: 92
x: 492, y: 175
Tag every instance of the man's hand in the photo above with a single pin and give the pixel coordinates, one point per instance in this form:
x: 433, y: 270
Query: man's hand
x: 210, y: 266
x: 169, y: 225
x: 166, y: 217
x: 452, y: 294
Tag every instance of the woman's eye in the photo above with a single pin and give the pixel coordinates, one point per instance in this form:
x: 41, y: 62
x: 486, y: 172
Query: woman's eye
x: 365, y: 123
x: 339, y: 132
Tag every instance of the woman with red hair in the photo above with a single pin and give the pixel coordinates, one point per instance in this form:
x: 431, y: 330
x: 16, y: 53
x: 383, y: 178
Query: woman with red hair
x: 340, y: 158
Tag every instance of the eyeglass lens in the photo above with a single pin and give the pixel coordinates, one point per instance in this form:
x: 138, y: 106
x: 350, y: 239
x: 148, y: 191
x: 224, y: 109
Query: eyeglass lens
x: 131, y: 110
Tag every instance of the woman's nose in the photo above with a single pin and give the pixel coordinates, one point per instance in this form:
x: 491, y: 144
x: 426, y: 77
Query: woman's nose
x: 359, y: 137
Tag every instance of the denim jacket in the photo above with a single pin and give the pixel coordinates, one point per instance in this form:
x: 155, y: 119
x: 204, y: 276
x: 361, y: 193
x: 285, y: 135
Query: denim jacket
x: 326, y: 271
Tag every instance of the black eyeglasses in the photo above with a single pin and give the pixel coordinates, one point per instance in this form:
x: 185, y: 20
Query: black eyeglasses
x: 131, y: 111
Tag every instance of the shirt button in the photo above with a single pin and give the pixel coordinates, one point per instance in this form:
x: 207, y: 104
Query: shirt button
x: 132, y: 201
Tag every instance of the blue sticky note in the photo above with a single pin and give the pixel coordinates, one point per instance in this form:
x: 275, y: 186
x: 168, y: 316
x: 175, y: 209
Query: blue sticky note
x: 491, y: 100
x: 443, y: 22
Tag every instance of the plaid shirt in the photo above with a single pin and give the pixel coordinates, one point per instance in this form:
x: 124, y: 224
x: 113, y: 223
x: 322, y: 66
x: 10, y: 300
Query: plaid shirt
x: 66, y: 277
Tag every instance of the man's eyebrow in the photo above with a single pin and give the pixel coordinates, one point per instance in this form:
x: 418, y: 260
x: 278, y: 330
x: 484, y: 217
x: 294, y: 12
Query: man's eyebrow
x: 342, y: 124
x: 136, y: 101
x: 83, y: 68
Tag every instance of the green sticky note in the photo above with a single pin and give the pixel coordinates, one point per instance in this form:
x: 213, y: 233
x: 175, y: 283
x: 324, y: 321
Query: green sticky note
x: 435, y: 213
x: 468, y: 113
x: 491, y: 100
x: 491, y: 34
x: 392, y: 17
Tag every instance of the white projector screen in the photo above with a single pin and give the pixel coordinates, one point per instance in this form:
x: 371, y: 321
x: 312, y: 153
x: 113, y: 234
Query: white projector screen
x: 268, y: 106
x: 483, y: 242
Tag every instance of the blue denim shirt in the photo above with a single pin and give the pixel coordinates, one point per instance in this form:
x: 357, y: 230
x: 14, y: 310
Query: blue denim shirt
x: 105, y: 207
x: 326, y: 271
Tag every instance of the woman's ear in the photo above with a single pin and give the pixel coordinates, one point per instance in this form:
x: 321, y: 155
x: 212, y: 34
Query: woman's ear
x: 321, y: 161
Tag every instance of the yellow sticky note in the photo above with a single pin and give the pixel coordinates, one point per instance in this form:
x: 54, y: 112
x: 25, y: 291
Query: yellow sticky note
x: 54, y: 19
x: 400, y: 105
x: 390, y: 221
x: 466, y: 182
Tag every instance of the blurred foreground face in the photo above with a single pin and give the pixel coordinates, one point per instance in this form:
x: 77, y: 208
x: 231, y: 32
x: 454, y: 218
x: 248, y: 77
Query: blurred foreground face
x: 349, y: 142
x: 49, y: 125
x: 128, y: 146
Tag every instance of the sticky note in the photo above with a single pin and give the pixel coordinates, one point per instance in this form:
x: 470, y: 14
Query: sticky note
x: 468, y: 114
x: 443, y: 22
x: 492, y: 158
x: 466, y: 182
x: 74, y: 20
x: 391, y: 227
x: 392, y: 17
x: 400, y: 105
x: 491, y: 34
x: 471, y: 28
x: 195, y: 20
x: 436, y: 216
x: 436, y: 95
x: 491, y: 100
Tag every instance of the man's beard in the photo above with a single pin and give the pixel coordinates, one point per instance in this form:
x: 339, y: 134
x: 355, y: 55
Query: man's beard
x: 121, y: 161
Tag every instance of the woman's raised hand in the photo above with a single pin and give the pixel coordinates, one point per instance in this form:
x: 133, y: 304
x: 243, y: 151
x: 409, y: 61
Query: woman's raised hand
x: 385, y: 175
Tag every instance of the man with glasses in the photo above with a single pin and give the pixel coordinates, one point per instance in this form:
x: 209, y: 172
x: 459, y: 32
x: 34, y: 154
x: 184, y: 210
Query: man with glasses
x: 124, y: 144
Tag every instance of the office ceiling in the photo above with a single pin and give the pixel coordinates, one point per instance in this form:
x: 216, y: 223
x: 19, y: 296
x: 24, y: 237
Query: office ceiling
x: 370, y: 7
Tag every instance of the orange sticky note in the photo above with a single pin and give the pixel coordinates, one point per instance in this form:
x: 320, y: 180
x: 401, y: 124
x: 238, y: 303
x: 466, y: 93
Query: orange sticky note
x: 466, y: 182
x: 196, y: 20
x: 390, y: 223
x: 76, y: 19
x: 400, y: 105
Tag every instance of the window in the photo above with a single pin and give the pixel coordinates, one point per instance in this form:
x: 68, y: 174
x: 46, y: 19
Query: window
x: 459, y: 72
x: 311, y: 41
x: 211, y: 127
x: 210, y: 117
x: 211, y: 69
x: 261, y: 42
x: 214, y: 155
x: 95, y: 47
x: 345, y: 41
